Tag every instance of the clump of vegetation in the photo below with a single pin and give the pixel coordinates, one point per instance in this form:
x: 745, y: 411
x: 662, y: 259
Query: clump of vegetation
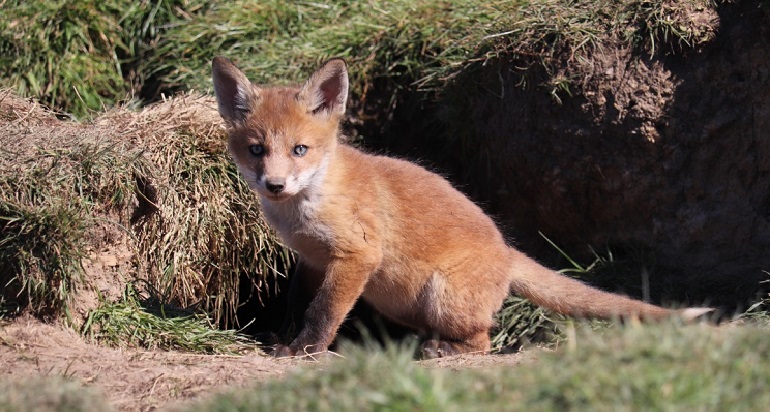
x: 207, y: 232
x: 50, y: 199
x: 144, y: 321
x: 45, y: 245
x: 759, y: 312
x: 521, y: 322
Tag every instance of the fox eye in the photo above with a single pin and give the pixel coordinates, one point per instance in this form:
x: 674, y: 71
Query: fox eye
x: 300, y: 150
x: 257, y: 149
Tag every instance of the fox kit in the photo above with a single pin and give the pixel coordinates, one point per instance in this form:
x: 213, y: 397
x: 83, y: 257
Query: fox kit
x: 381, y: 229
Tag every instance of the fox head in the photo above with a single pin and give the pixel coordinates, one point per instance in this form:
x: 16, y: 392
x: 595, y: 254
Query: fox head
x: 281, y: 138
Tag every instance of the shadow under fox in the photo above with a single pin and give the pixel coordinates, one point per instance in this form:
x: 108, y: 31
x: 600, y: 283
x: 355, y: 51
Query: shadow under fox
x: 381, y: 229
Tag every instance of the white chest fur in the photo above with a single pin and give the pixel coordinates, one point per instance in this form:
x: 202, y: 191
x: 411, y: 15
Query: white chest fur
x: 297, y: 218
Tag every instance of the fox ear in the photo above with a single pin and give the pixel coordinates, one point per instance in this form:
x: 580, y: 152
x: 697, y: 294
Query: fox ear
x: 235, y: 93
x: 327, y: 89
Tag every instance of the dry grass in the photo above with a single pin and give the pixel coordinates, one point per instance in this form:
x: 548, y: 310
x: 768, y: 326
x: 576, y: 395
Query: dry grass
x: 158, y: 180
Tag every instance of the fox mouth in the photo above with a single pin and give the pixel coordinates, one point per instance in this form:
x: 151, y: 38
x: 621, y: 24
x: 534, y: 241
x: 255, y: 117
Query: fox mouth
x: 275, y: 197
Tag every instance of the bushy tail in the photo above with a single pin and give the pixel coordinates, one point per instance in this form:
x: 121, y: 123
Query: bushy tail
x: 564, y: 295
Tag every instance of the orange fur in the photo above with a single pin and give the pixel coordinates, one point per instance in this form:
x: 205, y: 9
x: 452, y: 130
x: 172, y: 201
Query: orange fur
x: 378, y: 228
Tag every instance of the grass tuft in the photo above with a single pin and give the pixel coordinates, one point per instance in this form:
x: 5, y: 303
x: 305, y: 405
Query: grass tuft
x: 49, y: 202
x: 41, y: 249
x: 521, y: 322
x: 147, y: 322
x: 208, y: 231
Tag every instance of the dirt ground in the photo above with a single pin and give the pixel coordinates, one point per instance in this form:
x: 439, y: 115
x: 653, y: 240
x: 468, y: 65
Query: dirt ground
x: 135, y: 380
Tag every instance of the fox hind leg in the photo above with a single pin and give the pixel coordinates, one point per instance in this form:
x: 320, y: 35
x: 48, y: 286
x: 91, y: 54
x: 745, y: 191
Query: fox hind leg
x: 439, y: 348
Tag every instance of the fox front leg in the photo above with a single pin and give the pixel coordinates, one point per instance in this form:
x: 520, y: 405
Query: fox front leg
x: 342, y: 286
x: 303, y: 287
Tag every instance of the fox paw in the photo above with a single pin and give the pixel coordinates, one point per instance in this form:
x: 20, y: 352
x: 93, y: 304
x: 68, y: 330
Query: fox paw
x: 434, y: 348
x: 282, y: 351
x: 311, y: 351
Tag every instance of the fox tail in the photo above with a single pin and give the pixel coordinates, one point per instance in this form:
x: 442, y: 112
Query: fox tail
x: 567, y: 296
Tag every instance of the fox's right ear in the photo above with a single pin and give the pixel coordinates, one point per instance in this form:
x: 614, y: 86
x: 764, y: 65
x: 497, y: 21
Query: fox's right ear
x: 235, y: 93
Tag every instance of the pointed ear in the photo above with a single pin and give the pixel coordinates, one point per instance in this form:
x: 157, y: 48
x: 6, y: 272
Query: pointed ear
x: 235, y: 93
x: 327, y: 89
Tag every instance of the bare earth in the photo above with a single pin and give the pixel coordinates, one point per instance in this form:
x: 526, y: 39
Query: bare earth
x: 135, y: 380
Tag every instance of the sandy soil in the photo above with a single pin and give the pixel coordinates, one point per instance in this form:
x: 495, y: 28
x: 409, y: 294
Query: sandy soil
x: 135, y: 380
x: 132, y: 380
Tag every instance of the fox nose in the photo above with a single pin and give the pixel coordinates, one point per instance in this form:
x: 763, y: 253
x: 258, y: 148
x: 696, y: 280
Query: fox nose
x: 275, y: 185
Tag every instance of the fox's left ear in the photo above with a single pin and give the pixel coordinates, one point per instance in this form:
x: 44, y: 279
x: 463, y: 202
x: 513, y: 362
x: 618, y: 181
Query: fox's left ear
x: 327, y: 89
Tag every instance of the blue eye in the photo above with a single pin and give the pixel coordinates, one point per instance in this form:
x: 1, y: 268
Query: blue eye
x: 257, y: 149
x: 300, y: 150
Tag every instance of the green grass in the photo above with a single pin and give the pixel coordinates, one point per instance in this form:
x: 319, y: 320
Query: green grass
x: 82, y: 55
x: 664, y: 367
x: 409, y: 44
x: 50, y: 394
x: 62, y: 52
x: 281, y: 42
x: 147, y: 322
x: 41, y: 249
x: 521, y: 322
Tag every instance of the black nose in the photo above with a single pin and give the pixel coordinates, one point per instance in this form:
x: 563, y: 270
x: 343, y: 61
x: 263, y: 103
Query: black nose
x: 275, y: 185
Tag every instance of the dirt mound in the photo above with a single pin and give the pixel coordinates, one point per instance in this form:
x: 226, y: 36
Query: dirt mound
x: 148, y: 194
x: 663, y: 155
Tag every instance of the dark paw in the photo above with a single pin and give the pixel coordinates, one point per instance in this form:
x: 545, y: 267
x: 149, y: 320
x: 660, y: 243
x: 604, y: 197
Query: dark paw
x: 433, y: 348
x: 281, y: 351
x: 311, y: 351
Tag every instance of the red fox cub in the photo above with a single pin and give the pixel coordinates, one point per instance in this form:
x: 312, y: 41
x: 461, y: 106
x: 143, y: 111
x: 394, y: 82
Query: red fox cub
x: 381, y: 229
